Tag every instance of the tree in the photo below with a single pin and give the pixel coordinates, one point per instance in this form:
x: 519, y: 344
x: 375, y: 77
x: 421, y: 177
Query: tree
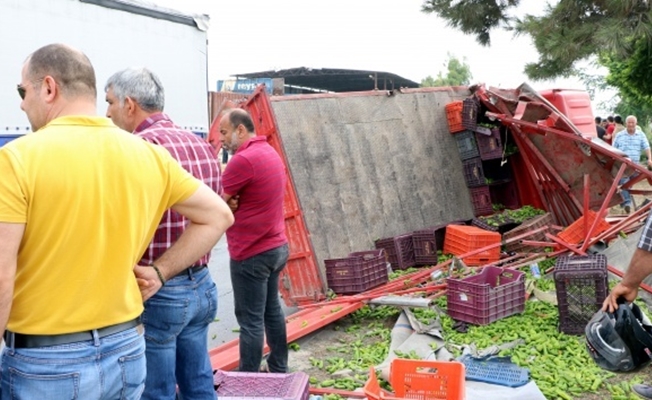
x: 569, y: 31
x: 458, y: 74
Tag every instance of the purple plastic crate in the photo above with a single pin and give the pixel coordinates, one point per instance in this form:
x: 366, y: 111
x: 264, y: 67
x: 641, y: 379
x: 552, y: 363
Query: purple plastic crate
x: 261, y: 385
x: 493, y: 294
x: 582, y: 284
x: 358, y: 272
x: 490, y: 146
x: 470, y: 111
x: 473, y: 172
x: 399, y: 250
x: 428, y: 241
x: 481, y: 200
x: 505, y: 193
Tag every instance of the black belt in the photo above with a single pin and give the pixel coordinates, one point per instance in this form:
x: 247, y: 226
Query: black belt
x: 18, y: 340
x: 191, y: 270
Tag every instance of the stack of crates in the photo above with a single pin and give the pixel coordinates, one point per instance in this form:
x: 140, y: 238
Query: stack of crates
x: 477, y: 144
x: 582, y: 285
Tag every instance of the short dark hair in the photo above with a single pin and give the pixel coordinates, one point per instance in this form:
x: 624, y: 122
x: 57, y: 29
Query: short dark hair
x: 618, y: 119
x: 598, y: 120
x: 70, y: 68
x: 610, y: 118
x: 239, y: 116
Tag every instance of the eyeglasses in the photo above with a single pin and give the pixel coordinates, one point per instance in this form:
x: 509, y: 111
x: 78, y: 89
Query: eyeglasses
x: 21, y: 91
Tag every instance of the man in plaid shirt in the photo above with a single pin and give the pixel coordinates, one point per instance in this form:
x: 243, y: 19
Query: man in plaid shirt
x: 176, y: 318
x: 639, y: 268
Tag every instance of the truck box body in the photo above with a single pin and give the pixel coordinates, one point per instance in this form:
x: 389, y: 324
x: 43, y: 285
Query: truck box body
x: 114, y: 34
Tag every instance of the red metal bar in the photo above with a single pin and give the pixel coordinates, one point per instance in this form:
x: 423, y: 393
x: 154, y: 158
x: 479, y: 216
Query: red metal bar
x: 536, y: 243
x: 587, y: 195
x: 602, y: 210
x: 227, y: 356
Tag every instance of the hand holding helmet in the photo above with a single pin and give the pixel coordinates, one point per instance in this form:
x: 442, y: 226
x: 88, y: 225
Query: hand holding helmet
x: 618, y: 294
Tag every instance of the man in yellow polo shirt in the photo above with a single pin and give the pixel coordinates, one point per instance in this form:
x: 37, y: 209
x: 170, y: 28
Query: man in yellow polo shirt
x: 79, y: 202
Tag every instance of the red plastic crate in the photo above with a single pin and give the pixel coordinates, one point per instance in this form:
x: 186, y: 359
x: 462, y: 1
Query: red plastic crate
x: 492, y: 294
x: 265, y: 386
x: 454, y: 116
x: 427, y: 380
x: 358, y: 272
x: 462, y: 239
x: 529, y: 225
x: 489, y: 147
x: 399, y: 250
x: 481, y: 200
x: 582, y: 284
x: 428, y: 241
x: 575, y: 232
x: 473, y: 173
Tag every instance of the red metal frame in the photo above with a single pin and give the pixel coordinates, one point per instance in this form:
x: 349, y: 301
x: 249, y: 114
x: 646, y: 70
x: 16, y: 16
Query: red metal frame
x: 301, y: 281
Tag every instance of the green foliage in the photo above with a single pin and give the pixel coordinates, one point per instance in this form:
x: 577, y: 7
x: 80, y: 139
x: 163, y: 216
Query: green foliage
x: 458, y: 73
x: 616, y: 33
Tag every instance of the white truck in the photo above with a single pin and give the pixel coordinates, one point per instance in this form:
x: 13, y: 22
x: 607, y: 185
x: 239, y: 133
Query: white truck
x: 114, y: 34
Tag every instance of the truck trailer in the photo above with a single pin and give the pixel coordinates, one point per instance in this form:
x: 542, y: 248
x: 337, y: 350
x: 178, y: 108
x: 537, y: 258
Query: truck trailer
x: 114, y: 34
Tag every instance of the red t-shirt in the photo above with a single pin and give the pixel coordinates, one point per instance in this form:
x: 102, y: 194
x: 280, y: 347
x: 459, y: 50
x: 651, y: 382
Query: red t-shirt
x: 257, y: 175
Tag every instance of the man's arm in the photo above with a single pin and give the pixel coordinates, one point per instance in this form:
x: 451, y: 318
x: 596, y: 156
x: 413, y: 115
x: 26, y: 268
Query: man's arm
x: 639, y: 267
x: 10, y: 238
x: 209, y: 217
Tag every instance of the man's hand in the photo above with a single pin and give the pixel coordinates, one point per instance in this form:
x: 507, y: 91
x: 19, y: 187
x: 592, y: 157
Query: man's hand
x: 148, y: 281
x: 233, y: 203
x: 649, y: 163
x: 611, y: 302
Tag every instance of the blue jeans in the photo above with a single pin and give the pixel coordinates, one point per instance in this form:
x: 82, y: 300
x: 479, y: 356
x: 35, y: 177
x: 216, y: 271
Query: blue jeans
x: 627, y: 197
x: 258, y: 309
x: 176, y: 322
x: 112, y: 367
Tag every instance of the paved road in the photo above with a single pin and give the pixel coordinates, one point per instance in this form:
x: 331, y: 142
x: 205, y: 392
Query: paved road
x: 221, y: 331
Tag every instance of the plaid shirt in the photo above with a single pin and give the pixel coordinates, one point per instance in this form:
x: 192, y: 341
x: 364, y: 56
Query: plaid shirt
x: 631, y: 144
x: 645, y: 242
x: 195, y: 156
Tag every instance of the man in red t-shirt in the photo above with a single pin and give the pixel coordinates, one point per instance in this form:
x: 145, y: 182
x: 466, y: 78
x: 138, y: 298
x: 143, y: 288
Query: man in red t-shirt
x: 254, y: 185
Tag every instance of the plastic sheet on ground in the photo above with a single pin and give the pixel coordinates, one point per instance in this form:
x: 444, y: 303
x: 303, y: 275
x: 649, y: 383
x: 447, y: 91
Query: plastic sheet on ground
x: 426, y: 341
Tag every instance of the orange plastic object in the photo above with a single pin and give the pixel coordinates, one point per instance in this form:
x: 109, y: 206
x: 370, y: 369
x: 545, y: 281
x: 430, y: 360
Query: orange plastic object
x: 461, y: 239
x: 427, y: 380
x: 575, y: 232
x: 576, y: 106
x: 454, y: 116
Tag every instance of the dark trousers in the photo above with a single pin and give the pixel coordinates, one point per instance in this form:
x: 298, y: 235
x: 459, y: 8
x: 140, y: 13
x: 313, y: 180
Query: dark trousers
x: 258, y: 309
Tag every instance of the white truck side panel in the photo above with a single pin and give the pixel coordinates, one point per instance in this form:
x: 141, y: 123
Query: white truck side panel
x: 113, y: 40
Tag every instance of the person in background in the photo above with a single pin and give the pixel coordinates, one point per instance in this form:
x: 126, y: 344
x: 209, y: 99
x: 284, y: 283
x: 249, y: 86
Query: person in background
x: 639, y: 268
x: 177, y: 317
x: 80, y: 199
x: 631, y: 142
x: 609, y: 130
x: 258, y: 246
x: 618, y: 126
x: 598, y: 126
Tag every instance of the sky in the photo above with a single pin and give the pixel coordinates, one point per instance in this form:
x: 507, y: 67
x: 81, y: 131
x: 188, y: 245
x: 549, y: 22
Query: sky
x: 384, y: 35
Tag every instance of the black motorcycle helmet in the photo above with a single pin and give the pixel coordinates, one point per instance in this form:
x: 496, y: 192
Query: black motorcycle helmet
x: 621, y: 341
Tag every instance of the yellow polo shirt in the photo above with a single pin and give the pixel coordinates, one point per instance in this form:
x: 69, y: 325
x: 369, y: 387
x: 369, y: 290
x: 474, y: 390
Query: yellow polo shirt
x: 91, y: 196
